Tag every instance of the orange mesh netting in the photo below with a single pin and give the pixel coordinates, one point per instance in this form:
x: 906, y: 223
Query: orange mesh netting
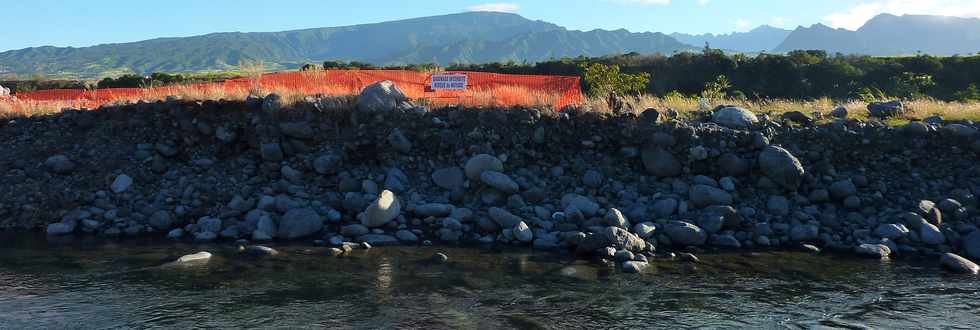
x: 483, y: 89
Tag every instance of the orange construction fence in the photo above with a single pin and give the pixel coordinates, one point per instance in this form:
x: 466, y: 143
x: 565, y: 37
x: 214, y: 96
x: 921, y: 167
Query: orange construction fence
x: 482, y: 89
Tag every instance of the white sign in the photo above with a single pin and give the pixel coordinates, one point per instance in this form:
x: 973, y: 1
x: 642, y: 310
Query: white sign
x: 453, y: 81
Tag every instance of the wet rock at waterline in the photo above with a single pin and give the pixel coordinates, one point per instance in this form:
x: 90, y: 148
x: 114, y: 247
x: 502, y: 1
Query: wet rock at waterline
x: 382, y: 210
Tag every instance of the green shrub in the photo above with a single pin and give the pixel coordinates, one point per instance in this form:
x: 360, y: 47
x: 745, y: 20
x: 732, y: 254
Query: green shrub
x: 603, y: 80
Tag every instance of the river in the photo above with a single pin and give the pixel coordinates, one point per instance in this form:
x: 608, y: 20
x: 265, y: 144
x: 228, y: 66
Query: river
x: 89, y: 284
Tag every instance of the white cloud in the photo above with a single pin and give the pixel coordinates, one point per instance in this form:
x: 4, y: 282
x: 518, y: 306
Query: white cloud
x: 642, y: 2
x: 854, y: 17
x: 702, y: 2
x: 779, y: 21
x: 503, y: 7
x: 741, y: 23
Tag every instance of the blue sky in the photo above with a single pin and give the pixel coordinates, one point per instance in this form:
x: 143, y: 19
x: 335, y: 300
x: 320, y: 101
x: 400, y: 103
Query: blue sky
x: 29, y: 23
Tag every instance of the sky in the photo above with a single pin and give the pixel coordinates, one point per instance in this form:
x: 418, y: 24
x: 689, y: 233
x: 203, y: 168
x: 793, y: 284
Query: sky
x: 31, y: 23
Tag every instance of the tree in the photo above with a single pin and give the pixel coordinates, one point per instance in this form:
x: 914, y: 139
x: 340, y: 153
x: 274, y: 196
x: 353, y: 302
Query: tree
x: 602, y: 80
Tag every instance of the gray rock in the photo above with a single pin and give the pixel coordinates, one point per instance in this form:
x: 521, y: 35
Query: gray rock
x: 778, y: 205
x: 272, y: 103
x: 434, y: 210
x: 615, y: 218
x: 298, y: 130
x: 581, y: 203
x: 382, y: 210
x: 685, y: 234
x: 645, y: 230
x: 703, y: 195
x: 930, y: 211
x: 121, y: 183
x: 734, y: 117
x: 879, y: 251
x: 381, y: 96
x: 499, y: 181
x: 450, y: 178
x: 839, y: 112
x: 406, y: 236
x: 843, y: 189
x: 891, y: 231
x: 971, y: 244
x: 664, y: 207
x: 209, y: 225
x: 61, y: 228
x: 298, y: 223
x: 592, y: 178
x: 476, y: 165
x: 726, y: 241
x: 804, y: 233
x: 399, y: 141
x: 354, y: 230
x: 271, y: 152
x: 780, y: 166
x: 931, y: 234
x: 260, y: 251
x: 958, y: 264
x: 960, y: 130
x: 711, y: 223
x: 200, y: 257
x: 59, y: 164
x: 378, y: 239
x: 884, y: 110
x: 503, y: 218
x: 326, y: 164
x: 523, y: 233
x: 634, y: 267
x: 622, y: 239
x: 161, y: 220
x: 660, y: 162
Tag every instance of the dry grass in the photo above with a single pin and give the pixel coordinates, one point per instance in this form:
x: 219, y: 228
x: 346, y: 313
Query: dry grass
x: 689, y: 107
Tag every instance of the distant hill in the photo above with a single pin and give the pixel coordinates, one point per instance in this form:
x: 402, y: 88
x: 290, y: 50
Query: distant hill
x: 762, y: 38
x: 466, y: 37
x: 888, y: 34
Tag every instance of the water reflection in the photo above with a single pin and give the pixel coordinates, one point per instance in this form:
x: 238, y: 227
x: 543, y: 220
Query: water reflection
x: 93, y: 285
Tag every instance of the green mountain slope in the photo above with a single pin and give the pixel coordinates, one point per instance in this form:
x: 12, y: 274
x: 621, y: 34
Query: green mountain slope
x: 466, y: 38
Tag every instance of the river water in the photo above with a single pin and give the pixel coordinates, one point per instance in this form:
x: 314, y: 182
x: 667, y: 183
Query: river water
x: 98, y: 284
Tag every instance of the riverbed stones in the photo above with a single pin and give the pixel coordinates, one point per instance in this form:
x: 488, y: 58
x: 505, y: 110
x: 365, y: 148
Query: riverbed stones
x: 704, y: 195
x: 449, y: 178
x: 503, y: 218
x: 478, y: 164
x: 660, y: 162
x: 299, y: 223
x: 260, y: 251
x: 580, y: 203
x: 406, y: 236
x: 523, y: 233
x: 161, y: 220
x: 930, y: 234
x: 61, y: 228
x: 271, y: 152
x: 634, y: 267
x: 971, y: 244
x: 378, y: 239
x: 499, y: 181
x: 382, y: 96
x: 685, y: 234
x: 326, y: 164
x: 615, y: 218
x: 877, y: 251
x: 891, y: 231
x: 59, y: 164
x: 958, y: 264
x: 780, y: 166
x: 200, y: 257
x: 381, y: 210
x: 121, y: 183
x: 734, y: 117
x: 664, y: 208
x: 843, y: 189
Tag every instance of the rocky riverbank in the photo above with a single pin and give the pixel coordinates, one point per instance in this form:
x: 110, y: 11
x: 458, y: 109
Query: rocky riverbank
x: 624, y: 188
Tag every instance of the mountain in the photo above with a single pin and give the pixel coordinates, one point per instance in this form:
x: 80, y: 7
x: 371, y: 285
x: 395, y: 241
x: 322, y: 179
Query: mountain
x: 762, y: 38
x: 888, y: 34
x: 466, y: 38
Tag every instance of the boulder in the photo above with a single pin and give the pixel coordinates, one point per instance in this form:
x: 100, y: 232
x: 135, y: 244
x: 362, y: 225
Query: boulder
x: 971, y: 244
x: 839, y: 112
x: 121, y: 183
x: 734, y: 117
x: 200, y: 257
x: 499, y: 181
x: 645, y: 229
x: 660, y: 162
x: 503, y: 218
x: 378, y: 239
x: 406, y: 236
x: 476, y: 165
x: 523, y: 233
x: 685, y: 234
x: 622, y: 239
x: 161, y: 220
x: 958, y: 264
x: 260, y: 251
x: 450, y: 178
x: 59, y: 164
x: 326, y: 164
x: 885, y: 110
x: 584, y: 204
x: 780, y: 166
x: 878, y: 251
x: 664, y: 207
x: 615, y: 218
x: 380, y: 97
x: 930, y: 234
x: 634, y: 267
x: 704, y: 195
x: 298, y: 223
x: 842, y: 189
x: 382, y: 210
x: 891, y: 231
x: 61, y: 228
